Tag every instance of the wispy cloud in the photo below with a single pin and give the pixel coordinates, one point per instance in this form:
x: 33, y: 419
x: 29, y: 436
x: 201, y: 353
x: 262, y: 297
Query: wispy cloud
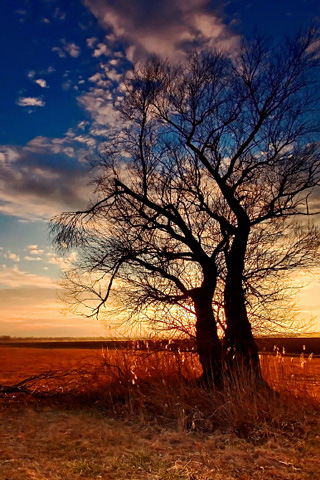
x: 31, y: 102
x: 14, y: 277
x: 72, y: 49
x: 67, y: 48
x: 59, y: 51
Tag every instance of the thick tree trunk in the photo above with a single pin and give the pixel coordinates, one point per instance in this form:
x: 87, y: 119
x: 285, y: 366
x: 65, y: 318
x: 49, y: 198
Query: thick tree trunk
x: 208, y: 343
x: 239, y: 345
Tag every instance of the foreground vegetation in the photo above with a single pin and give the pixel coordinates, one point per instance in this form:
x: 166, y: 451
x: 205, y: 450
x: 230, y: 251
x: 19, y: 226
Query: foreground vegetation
x: 143, y: 415
x: 56, y: 443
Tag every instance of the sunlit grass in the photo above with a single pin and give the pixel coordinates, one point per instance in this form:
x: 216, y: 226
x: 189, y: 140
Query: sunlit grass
x: 163, y: 387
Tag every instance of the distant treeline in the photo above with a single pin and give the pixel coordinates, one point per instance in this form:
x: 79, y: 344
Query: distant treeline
x: 284, y: 345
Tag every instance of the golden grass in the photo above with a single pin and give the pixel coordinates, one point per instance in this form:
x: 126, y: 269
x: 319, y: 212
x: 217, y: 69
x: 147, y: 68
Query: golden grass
x: 162, y: 387
x: 142, y: 415
x: 297, y: 375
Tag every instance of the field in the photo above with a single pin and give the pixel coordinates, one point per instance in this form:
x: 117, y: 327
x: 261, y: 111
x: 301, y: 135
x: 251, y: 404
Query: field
x: 299, y: 374
x: 127, y: 414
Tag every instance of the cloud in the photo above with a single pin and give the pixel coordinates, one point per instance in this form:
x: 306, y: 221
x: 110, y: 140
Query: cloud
x: 43, y: 178
x: 62, y: 262
x: 67, y: 48
x: 100, y: 104
x: 91, y: 42
x: 100, y: 80
x: 8, y: 154
x: 14, y: 277
x: 46, y: 71
x: 31, y: 102
x: 59, y: 51
x: 101, y: 49
x: 59, y: 14
x: 167, y: 28
x: 72, y: 49
x: 12, y: 256
x: 34, y: 250
x: 41, y: 82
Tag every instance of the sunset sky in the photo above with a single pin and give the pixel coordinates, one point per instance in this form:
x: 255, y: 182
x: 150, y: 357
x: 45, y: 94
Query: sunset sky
x: 61, y: 67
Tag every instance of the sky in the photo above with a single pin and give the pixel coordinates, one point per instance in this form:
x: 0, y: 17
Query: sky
x: 62, y: 63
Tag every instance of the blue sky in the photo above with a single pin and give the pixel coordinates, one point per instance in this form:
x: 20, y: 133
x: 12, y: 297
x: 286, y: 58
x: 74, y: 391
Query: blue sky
x: 61, y: 69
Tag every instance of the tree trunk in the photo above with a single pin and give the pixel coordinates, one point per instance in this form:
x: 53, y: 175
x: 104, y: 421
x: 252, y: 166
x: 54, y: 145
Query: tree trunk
x: 239, y: 345
x: 208, y: 343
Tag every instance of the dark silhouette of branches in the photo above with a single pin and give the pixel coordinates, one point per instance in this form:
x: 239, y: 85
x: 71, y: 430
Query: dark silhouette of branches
x: 199, y: 191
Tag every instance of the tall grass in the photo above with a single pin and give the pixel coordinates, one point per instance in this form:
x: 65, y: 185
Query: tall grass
x: 296, y: 375
x: 162, y: 387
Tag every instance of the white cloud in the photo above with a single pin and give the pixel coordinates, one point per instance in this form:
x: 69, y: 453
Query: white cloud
x: 100, y: 106
x: 86, y: 139
x: 100, y: 80
x: 41, y: 82
x: 101, y: 49
x: 31, y: 102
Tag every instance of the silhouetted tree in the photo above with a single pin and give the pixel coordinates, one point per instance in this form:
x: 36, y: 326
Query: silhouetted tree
x: 210, y: 153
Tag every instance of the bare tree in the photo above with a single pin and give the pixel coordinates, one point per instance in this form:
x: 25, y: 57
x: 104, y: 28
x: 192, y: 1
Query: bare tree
x: 210, y: 153
x: 147, y: 233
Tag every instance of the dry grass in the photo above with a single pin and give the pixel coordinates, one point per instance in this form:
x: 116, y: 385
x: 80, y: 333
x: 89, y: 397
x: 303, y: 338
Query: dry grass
x: 42, y: 443
x: 163, y: 386
x: 297, y: 375
x: 138, y: 414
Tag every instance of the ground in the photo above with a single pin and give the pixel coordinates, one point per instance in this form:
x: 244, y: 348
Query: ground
x: 49, y: 442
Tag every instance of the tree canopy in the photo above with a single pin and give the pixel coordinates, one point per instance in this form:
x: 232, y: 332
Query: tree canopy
x: 198, y: 191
